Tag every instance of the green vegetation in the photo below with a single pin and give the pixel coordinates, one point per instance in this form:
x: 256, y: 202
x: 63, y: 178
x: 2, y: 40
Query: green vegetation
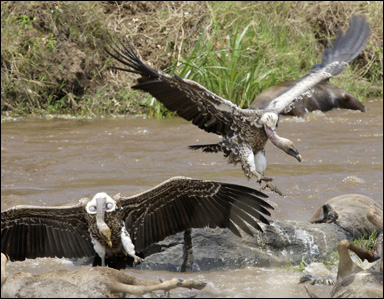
x: 53, y: 58
x: 367, y: 241
x: 328, y: 262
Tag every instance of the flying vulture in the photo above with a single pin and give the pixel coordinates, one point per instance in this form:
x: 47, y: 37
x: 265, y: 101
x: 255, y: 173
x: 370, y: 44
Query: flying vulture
x: 119, y: 229
x: 244, y: 132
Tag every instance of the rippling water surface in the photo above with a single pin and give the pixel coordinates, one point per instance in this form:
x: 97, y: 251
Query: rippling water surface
x: 58, y: 161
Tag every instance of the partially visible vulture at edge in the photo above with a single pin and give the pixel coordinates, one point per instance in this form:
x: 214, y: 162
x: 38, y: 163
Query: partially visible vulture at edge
x: 245, y: 132
x: 119, y: 229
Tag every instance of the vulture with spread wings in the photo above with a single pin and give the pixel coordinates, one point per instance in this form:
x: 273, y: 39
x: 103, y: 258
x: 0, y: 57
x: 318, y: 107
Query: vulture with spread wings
x: 119, y: 229
x: 244, y: 132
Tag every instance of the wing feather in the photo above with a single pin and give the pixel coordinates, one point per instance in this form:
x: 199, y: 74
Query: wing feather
x: 233, y: 229
x: 181, y: 203
x: 186, y: 97
x: 240, y: 222
x: 30, y: 232
x: 334, y: 61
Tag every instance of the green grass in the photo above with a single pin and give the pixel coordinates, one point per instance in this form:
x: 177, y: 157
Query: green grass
x: 328, y: 262
x: 231, y: 71
x: 235, y: 66
x: 367, y: 241
x: 237, y: 57
x: 53, y: 59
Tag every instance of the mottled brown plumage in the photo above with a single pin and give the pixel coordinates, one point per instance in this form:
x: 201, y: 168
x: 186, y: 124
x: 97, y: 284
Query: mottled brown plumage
x: 243, y: 130
x: 119, y: 229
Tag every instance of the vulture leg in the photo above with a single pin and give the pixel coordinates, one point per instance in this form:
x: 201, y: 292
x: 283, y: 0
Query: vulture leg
x: 250, y: 166
x: 187, y: 252
x: 129, y: 247
x: 272, y: 187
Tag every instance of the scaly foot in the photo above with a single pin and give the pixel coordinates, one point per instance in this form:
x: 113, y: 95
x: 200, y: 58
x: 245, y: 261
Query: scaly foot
x: 137, y: 260
x: 272, y: 187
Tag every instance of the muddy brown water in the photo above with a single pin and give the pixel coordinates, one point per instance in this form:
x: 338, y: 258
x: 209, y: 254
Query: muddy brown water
x: 58, y: 161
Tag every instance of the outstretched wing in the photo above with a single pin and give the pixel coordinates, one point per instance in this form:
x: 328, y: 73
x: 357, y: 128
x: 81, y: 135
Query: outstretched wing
x: 182, y: 203
x: 189, y: 99
x: 335, y: 60
x: 31, y: 232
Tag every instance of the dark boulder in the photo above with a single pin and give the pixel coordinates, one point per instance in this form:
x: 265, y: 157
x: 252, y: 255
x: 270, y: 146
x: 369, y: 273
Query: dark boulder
x: 281, y: 243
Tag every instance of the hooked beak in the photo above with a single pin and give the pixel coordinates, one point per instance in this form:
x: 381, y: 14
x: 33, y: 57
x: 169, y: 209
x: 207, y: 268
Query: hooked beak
x: 292, y: 151
x: 106, y: 232
x: 284, y: 144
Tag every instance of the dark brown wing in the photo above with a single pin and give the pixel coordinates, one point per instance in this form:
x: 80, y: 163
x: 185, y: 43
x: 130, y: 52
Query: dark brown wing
x: 31, y: 232
x: 189, y: 99
x: 182, y: 203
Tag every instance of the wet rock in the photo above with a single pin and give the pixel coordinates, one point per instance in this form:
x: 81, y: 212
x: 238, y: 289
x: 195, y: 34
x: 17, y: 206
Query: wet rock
x: 282, y: 242
x: 317, y: 273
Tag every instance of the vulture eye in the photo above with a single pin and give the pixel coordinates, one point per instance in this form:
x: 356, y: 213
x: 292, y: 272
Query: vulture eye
x: 91, y: 210
x: 110, y: 206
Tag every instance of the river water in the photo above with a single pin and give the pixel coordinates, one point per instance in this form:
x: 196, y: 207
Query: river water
x: 58, y: 161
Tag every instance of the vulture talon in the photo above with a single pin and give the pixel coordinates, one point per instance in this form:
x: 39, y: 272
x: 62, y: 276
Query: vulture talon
x: 272, y: 187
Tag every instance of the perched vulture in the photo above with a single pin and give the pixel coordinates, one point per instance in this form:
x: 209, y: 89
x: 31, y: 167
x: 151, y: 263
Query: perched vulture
x: 119, y: 229
x: 245, y: 132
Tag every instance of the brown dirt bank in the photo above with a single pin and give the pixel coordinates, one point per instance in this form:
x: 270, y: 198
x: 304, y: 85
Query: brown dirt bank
x: 53, y: 58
